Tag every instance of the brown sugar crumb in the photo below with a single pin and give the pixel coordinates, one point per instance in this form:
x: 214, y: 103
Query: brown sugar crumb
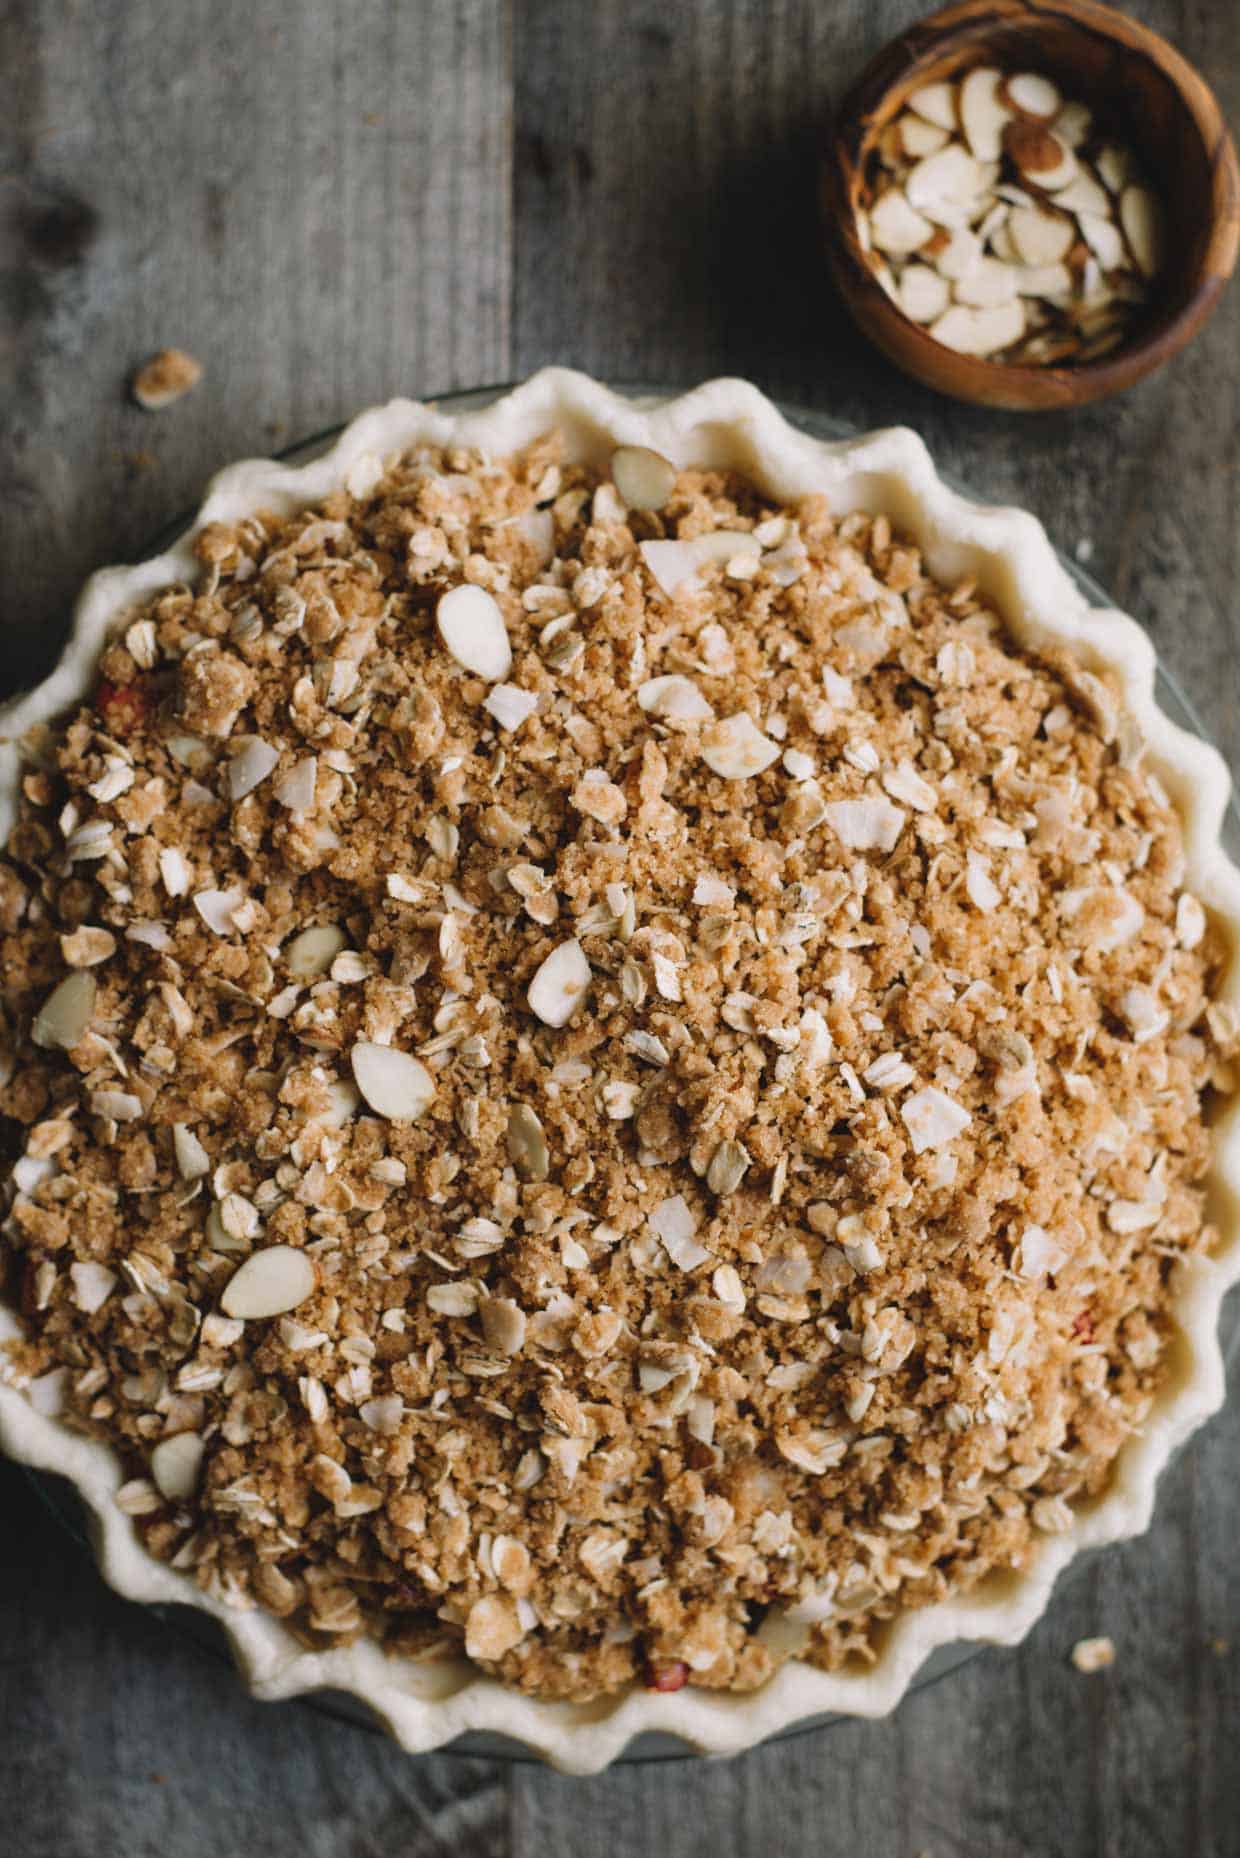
x: 560, y: 1123
x: 166, y: 377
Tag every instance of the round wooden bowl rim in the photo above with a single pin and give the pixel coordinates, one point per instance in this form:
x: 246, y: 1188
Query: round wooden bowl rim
x: 923, y: 42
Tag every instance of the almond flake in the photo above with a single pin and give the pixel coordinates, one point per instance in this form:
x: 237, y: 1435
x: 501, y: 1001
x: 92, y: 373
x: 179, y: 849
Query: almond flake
x: 165, y: 377
x: 312, y: 952
x: 296, y: 790
x: 645, y: 479
x: 176, y: 1465
x: 1190, y: 921
x: 510, y: 706
x: 503, y: 1324
x: 672, y: 563
x: 492, y: 1628
x: 93, y: 1284
x: 932, y: 1118
x: 983, y: 112
x: 1091, y: 1655
x: 1140, y: 216
x: 174, y: 872
x: 988, y: 284
x: 218, y: 909
x: 472, y: 628
x: 1040, y: 238
x: 674, y: 699
x: 713, y: 893
x: 918, y: 137
x: 393, y: 1083
x: 951, y: 176
x: 923, y: 293
x: 980, y: 887
x: 736, y: 748
x: 935, y: 103
x: 673, y: 1222
x: 192, y: 1158
x: 896, y: 227
x: 1033, y: 95
x: 904, y: 783
x: 66, y: 1013
x: 269, y: 1283
x: 866, y: 825
x: 560, y: 984
x: 252, y: 764
x: 1104, y: 240
x: 87, y: 947
x: 980, y: 332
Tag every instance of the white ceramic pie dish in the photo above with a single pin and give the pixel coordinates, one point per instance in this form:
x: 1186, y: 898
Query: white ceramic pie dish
x: 723, y: 422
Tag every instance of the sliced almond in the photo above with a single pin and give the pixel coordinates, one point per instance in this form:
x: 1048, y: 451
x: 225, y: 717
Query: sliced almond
x: 250, y: 766
x: 1114, y: 167
x: 1040, y: 238
x: 176, y: 1464
x: 674, y: 563
x: 1046, y: 281
x: 990, y: 282
x: 935, y: 103
x: 394, y: 1083
x: 473, y: 630
x: 269, y: 1283
x: 674, y: 699
x: 1084, y: 194
x: 924, y: 294
x: 1038, y: 154
x: 527, y: 1143
x: 1073, y: 124
x: 644, y: 478
x: 951, y: 176
x: 1033, y: 95
x: 958, y: 256
x: 503, y: 1321
x: 1002, y: 245
x: 1104, y: 240
x: 917, y: 137
x: 560, y: 984
x: 983, y: 112
x: 737, y: 749
x: 66, y: 1013
x: 980, y: 332
x: 895, y: 227
x: 312, y: 952
x: 1140, y: 216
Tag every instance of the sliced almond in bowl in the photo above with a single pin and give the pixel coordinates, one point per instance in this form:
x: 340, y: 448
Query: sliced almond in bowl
x: 1039, y: 154
x: 990, y: 282
x: 1034, y: 95
x: 1140, y: 216
x: 923, y: 294
x: 895, y: 226
x: 916, y: 137
x: 980, y: 332
x: 1040, y: 237
x: 983, y: 112
x: 935, y: 103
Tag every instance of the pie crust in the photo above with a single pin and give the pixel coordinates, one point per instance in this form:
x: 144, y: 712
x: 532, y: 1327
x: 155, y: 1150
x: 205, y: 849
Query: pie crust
x: 722, y: 424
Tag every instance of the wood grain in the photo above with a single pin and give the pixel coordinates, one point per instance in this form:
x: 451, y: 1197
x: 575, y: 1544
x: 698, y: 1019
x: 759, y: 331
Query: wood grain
x: 335, y: 202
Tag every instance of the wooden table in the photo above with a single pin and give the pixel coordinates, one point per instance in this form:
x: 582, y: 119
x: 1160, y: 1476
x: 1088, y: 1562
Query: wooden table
x: 337, y: 200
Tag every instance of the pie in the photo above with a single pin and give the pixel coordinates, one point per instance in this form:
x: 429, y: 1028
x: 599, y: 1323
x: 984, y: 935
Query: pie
x: 619, y: 1028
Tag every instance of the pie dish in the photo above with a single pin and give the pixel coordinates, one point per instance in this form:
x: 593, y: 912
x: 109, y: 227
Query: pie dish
x: 1080, y: 1336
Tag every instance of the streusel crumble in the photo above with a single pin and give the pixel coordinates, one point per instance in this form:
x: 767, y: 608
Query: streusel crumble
x: 584, y: 1073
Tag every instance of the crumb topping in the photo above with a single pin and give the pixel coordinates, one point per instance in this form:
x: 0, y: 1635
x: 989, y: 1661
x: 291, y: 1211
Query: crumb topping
x: 613, y: 1087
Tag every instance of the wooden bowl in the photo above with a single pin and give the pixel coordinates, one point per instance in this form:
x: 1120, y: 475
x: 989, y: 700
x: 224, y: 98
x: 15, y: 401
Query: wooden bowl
x: 1146, y: 93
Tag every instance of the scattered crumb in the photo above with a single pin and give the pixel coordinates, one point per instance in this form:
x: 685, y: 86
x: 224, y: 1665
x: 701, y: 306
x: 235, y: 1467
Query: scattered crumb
x: 1090, y: 1655
x: 164, y: 378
